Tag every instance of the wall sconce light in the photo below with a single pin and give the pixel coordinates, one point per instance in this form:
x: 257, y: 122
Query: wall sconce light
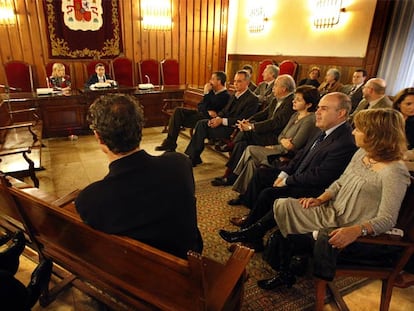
x: 327, y: 13
x: 7, y: 15
x: 156, y: 14
x: 257, y: 17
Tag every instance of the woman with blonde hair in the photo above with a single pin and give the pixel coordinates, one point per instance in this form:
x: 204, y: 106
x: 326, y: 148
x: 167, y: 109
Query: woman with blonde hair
x: 59, y: 80
x: 365, y: 200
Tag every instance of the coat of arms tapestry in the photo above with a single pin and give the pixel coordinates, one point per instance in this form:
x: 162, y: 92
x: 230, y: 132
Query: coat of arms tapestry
x: 83, y: 28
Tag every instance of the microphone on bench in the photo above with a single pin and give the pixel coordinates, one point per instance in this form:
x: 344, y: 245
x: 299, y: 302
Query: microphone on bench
x: 10, y: 88
x: 148, y: 79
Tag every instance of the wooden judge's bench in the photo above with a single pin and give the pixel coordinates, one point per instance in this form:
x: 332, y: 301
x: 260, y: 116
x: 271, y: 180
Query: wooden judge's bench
x: 63, y: 115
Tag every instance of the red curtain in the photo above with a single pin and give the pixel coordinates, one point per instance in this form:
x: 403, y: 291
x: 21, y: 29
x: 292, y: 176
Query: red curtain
x: 83, y: 28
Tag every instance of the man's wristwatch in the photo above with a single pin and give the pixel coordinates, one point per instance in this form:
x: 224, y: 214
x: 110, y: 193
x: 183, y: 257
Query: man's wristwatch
x: 364, y: 230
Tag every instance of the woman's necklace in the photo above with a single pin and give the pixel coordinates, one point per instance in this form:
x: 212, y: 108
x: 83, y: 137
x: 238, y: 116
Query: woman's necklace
x: 369, y: 163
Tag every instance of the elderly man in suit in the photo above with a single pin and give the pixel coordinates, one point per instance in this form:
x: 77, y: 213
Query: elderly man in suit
x: 138, y: 198
x: 242, y: 105
x: 354, y: 90
x: 374, y: 96
x: 264, y: 90
x: 313, y: 168
x: 263, y: 128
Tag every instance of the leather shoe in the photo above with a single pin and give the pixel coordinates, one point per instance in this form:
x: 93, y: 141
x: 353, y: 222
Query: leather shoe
x: 166, y: 148
x: 224, y: 181
x: 238, y: 221
x: 236, y: 201
x: 40, y: 280
x: 279, y: 280
x: 233, y: 237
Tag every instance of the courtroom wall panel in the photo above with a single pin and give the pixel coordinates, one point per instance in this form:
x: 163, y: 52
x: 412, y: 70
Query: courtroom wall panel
x: 197, y: 40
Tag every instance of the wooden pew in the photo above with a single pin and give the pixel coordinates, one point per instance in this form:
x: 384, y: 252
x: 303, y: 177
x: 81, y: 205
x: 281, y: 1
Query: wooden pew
x: 19, y: 139
x: 121, y: 272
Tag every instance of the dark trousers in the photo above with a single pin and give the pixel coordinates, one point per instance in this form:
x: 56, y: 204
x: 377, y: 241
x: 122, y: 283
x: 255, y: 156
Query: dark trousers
x: 203, y: 131
x: 13, y: 294
x: 244, y: 139
x: 260, y: 195
x: 181, y: 117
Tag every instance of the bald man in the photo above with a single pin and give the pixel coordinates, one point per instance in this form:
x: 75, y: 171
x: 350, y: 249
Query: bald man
x: 374, y: 96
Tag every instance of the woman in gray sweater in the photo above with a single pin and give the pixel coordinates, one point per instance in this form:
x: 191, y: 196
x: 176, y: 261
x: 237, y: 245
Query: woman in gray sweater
x: 365, y: 200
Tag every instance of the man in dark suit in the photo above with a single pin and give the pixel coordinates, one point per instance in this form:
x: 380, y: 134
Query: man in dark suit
x: 263, y: 128
x: 354, y: 90
x: 242, y: 105
x: 313, y: 168
x: 99, y: 76
x: 148, y: 198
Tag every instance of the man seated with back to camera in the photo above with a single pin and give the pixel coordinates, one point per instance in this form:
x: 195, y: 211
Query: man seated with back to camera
x: 99, y: 76
x: 147, y: 198
x: 214, y: 99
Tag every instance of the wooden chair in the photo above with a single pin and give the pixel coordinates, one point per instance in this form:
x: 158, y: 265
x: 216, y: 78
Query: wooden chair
x: 19, y: 138
x: 149, y: 68
x: 90, y: 67
x: 19, y: 75
x: 388, y: 275
x: 262, y: 66
x: 289, y: 67
x: 170, y: 72
x: 135, y: 276
x: 190, y: 100
x: 123, y: 71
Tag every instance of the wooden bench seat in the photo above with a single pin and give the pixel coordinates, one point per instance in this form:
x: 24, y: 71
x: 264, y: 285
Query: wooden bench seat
x: 18, y: 140
x: 134, y: 275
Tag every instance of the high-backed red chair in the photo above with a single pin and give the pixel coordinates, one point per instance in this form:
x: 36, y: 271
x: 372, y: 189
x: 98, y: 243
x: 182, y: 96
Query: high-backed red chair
x: 149, y: 68
x: 90, y: 67
x: 289, y: 67
x: 262, y: 66
x: 123, y: 72
x: 19, y: 75
x: 170, y: 72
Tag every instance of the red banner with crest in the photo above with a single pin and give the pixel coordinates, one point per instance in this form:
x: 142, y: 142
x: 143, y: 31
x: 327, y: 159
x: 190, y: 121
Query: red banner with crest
x: 83, y: 28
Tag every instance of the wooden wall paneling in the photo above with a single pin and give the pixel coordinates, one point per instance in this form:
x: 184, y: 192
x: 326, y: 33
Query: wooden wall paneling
x: 175, y: 42
x: 33, y: 47
x: 376, y: 42
x: 190, y: 41
x: 182, y: 42
x: 197, y: 52
x: 194, y: 39
x: 223, y: 35
x: 206, y: 50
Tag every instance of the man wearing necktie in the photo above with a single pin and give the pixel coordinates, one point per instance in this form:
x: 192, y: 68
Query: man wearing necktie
x: 354, y: 90
x: 313, y: 168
